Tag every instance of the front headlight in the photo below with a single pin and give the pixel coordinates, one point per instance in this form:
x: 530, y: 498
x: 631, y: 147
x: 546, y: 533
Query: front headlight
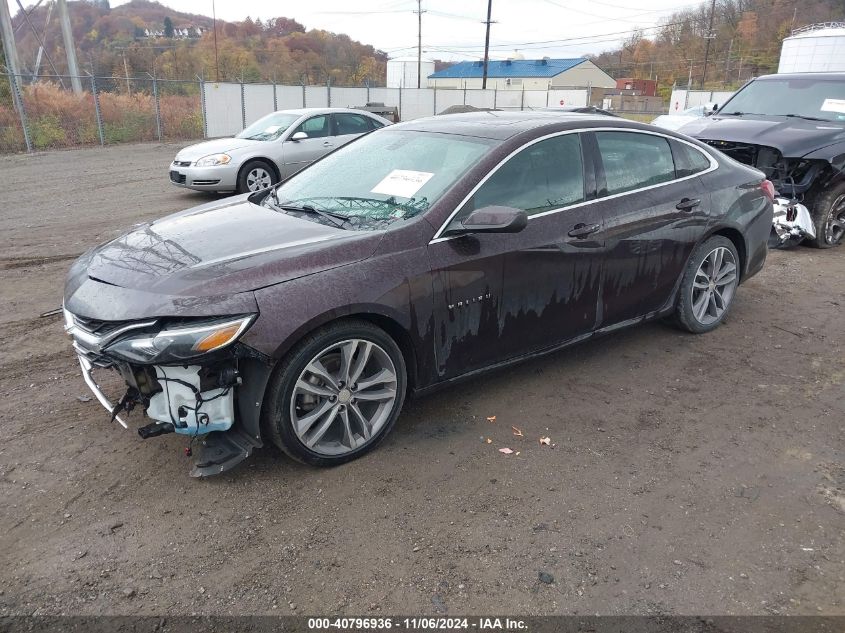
x: 180, y: 343
x: 213, y: 160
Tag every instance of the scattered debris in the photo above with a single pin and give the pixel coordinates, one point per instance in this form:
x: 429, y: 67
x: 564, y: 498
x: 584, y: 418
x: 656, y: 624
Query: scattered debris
x: 547, y: 441
x: 517, y: 432
x: 546, y: 578
x: 50, y: 313
x: 129, y: 593
x: 115, y: 526
x: 439, y: 603
x: 506, y: 451
x: 83, y: 398
x: 491, y: 418
x: 489, y: 441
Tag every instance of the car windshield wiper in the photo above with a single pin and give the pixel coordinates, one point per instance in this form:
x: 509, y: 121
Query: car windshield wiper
x: 807, y: 118
x: 336, y: 219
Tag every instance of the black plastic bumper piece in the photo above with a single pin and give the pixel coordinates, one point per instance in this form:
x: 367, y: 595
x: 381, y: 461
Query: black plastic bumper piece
x: 218, y: 452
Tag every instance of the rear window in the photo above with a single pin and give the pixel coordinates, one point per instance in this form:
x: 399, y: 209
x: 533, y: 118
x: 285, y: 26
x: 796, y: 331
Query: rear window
x: 632, y: 160
x: 688, y: 160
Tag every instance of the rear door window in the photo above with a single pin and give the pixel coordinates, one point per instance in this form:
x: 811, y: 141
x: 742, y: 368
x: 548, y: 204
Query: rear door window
x: 350, y: 124
x: 633, y: 160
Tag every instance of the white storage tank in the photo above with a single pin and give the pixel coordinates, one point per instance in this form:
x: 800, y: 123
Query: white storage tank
x: 402, y: 72
x: 819, y: 48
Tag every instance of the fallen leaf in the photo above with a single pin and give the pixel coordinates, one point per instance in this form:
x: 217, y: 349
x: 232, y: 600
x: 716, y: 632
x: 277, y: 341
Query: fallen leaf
x: 546, y: 440
x: 506, y: 451
x: 489, y: 441
x: 517, y: 432
x: 491, y: 418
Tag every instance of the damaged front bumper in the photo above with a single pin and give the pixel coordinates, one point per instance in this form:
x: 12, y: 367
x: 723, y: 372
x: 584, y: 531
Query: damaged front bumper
x: 791, y: 224
x: 215, y: 401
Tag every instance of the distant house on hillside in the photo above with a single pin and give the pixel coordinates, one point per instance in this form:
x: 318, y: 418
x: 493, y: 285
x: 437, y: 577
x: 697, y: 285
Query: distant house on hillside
x: 523, y: 74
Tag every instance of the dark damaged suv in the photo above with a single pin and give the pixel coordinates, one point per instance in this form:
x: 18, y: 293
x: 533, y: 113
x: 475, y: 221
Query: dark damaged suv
x: 420, y: 254
x: 791, y: 127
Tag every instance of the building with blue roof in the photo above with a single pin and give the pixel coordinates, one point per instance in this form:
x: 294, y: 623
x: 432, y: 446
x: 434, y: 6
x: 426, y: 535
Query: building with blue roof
x: 523, y: 74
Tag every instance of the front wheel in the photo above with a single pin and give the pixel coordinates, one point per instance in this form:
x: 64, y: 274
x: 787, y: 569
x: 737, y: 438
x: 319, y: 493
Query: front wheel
x: 708, y: 286
x: 829, y: 217
x: 256, y: 175
x: 337, y: 394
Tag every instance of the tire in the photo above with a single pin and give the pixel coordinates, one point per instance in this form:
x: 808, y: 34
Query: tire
x: 256, y: 175
x: 699, y: 283
x: 829, y: 207
x: 299, y: 405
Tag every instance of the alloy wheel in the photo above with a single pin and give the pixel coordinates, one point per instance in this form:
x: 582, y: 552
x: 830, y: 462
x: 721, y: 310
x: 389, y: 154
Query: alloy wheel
x: 834, y: 228
x: 343, y: 397
x: 258, y: 178
x: 714, y: 285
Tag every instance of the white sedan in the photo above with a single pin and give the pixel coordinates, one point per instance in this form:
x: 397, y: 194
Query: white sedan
x: 271, y: 149
x: 677, y: 121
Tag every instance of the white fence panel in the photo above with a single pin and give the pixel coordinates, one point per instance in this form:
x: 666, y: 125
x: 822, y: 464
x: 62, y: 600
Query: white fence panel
x: 348, y: 97
x: 416, y: 103
x: 387, y: 96
x: 568, y: 97
x: 258, y: 101
x: 223, y: 109
x: 536, y: 99
x: 719, y: 97
x: 678, y: 101
x: 509, y: 99
x: 289, y: 97
x: 683, y: 99
x: 480, y: 98
x: 447, y: 98
x: 316, y: 97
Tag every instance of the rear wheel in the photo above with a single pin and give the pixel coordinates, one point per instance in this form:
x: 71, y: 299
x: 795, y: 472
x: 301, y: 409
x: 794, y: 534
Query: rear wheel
x: 255, y: 176
x: 708, y: 286
x: 337, y: 394
x: 828, y: 215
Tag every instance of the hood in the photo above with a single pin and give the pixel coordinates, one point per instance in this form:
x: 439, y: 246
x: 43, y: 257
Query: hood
x: 217, y: 146
x: 223, y: 248
x: 794, y: 137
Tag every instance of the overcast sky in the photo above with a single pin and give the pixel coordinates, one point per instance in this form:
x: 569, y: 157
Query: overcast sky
x: 454, y: 30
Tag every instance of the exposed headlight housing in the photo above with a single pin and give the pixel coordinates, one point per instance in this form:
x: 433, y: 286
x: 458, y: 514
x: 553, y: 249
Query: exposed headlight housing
x: 181, y: 342
x: 214, y: 160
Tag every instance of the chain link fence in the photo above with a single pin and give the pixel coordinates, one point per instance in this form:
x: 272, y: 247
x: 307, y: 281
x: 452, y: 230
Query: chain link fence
x: 45, y: 114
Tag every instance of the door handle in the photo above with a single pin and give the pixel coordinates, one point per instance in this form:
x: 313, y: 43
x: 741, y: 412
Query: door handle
x: 687, y: 204
x: 583, y: 230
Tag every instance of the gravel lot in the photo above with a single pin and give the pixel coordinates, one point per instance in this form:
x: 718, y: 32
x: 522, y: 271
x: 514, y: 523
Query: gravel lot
x: 688, y: 474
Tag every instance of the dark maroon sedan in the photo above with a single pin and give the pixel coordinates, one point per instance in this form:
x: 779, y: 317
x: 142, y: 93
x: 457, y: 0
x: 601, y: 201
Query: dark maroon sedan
x: 420, y: 254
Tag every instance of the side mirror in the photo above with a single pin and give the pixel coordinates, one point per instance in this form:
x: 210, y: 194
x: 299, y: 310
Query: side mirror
x: 494, y: 219
x: 299, y: 136
x: 710, y: 108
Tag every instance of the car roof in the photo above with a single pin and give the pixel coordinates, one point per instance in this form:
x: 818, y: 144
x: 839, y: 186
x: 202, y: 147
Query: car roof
x: 304, y: 111
x: 823, y: 76
x: 502, y: 125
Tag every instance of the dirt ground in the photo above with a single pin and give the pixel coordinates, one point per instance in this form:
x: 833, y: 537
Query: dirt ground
x: 688, y: 474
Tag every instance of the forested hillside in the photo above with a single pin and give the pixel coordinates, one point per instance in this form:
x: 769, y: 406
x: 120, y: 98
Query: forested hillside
x: 747, y: 36
x: 146, y: 37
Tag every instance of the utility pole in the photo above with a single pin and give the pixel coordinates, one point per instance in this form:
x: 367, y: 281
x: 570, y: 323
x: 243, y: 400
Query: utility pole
x: 419, y: 13
x: 9, y: 49
x: 216, y: 59
x: 70, y: 49
x: 486, y: 45
x: 709, y: 37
